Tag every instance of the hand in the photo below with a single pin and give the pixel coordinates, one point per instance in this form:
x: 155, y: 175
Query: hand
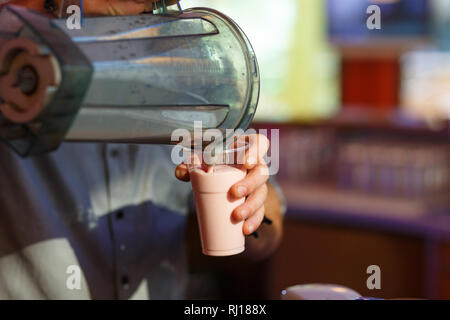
x: 253, y: 186
x: 96, y: 7
x: 119, y: 7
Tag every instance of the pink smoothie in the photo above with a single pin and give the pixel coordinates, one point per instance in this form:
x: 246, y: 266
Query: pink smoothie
x: 220, y: 235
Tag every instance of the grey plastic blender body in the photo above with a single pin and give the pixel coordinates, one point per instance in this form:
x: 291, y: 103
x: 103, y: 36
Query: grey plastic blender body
x: 131, y: 79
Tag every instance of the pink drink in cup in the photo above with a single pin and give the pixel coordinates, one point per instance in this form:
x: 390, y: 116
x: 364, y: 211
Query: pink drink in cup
x: 220, y: 234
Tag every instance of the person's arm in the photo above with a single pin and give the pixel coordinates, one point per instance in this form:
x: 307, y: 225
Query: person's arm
x: 268, y: 236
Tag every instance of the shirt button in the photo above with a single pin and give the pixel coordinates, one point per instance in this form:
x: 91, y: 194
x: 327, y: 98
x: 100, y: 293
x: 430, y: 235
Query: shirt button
x: 119, y: 215
x: 114, y: 153
x: 125, y: 281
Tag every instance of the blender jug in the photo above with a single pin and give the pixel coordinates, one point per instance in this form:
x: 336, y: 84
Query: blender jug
x: 131, y: 79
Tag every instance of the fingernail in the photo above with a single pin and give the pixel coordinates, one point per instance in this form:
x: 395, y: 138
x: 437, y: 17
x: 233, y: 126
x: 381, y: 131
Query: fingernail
x: 250, y: 228
x: 241, y: 190
x: 243, y: 213
x: 251, y: 160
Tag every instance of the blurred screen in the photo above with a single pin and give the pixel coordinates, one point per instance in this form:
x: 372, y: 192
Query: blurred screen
x: 347, y: 19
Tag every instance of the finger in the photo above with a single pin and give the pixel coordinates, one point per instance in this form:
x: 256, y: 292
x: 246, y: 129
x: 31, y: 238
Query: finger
x: 259, y: 144
x: 120, y: 7
x: 254, y: 179
x: 182, y: 172
x: 113, y: 7
x: 253, y: 223
x: 252, y: 204
x: 192, y: 160
x: 37, y: 5
x: 91, y: 7
x: 96, y: 7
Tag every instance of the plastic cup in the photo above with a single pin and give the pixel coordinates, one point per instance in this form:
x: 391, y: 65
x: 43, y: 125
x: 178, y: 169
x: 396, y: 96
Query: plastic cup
x: 220, y: 235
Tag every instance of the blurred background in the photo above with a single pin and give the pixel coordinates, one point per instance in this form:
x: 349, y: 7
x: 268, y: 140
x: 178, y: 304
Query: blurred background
x: 364, y: 142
